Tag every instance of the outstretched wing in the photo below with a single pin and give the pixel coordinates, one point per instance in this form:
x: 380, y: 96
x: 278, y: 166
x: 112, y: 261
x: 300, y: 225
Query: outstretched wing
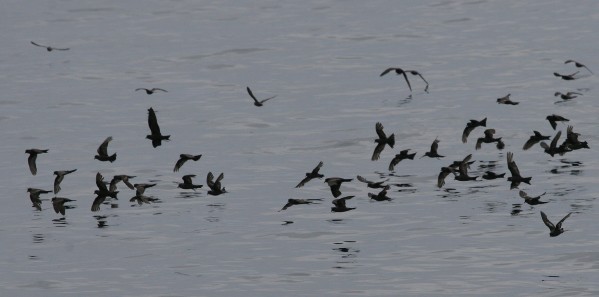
x: 153, y: 122
x: 103, y: 148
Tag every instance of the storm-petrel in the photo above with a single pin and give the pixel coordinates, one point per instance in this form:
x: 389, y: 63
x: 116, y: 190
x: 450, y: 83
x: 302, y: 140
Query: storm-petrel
x: 488, y: 138
x: 215, y: 186
x: 433, y: 152
x: 567, y: 96
x: 155, y: 135
x: 401, y: 156
x: 371, y: 184
x: 335, y: 184
x: 256, y: 102
x: 516, y: 178
x: 32, y: 157
x: 553, y: 119
x: 151, y: 91
x: 554, y: 230
x: 381, y: 196
x: 463, y: 170
x: 534, y: 139
x: 339, y: 204
x: 399, y: 71
x: 311, y: 175
x: 293, y: 201
x: 492, y: 175
x: 183, y: 158
x: 578, y: 65
x: 532, y: 200
x: 506, y: 100
x: 187, y: 183
x: 381, y: 141
x: 34, y: 196
x: 58, y: 204
x: 59, y: 177
x: 103, y: 151
x: 49, y: 48
x: 553, y: 149
x: 117, y: 178
x: 566, y: 76
x: 471, y: 126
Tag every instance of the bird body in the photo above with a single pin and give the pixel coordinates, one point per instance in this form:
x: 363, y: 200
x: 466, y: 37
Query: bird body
x: 433, y: 152
x: 553, y: 119
x: 403, y: 155
x: 155, y: 135
x: 50, y: 48
x: 381, y: 141
x: 58, y: 204
x: 256, y: 101
x: 554, y: 230
x: 293, y: 201
x: 400, y: 71
x: 534, y: 139
x: 340, y: 205
x: 371, y: 184
x: 578, y: 65
x: 381, y: 196
x: 335, y: 184
x: 215, y: 186
x: 532, y: 200
x: 59, y: 177
x: 311, y: 175
x: 151, y: 91
x: 506, y: 100
x: 516, y: 178
x: 34, y: 196
x: 471, y: 126
x: 187, y: 183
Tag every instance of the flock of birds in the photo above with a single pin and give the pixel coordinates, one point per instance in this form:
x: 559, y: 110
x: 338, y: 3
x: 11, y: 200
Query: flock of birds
x: 459, y: 169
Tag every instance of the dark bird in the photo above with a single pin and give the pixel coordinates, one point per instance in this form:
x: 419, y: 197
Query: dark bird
x: 256, y: 102
x: 215, y: 186
x: 140, y: 189
x: 516, y: 178
x: 433, y: 152
x: 293, y: 201
x: 506, y: 100
x: 59, y: 177
x: 49, y: 48
x: 578, y: 65
x: 401, y: 156
x: 566, y: 76
x: 187, y: 183
x: 103, y: 151
x: 488, y: 138
x: 554, y: 230
x: 155, y: 135
x: 183, y: 158
x: 58, y: 204
x: 311, y: 175
x: 339, y: 204
x: 381, y: 141
x: 471, y: 126
x: 34, y: 195
x: 532, y: 200
x: 381, y: 196
x: 534, y: 139
x: 445, y: 171
x: 463, y: 170
x: 97, y: 202
x: 141, y: 199
x: 553, y: 149
x: 553, y: 119
x: 371, y: 184
x: 32, y: 157
x: 399, y: 71
x: 118, y: 178
x: 102, y: 189
x: 572, y: 142
x: 492, y: 175
x: 151, y: 91
x: 335, y: 183
x: 567, y: 96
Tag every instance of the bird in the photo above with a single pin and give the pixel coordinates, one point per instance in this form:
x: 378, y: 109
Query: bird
x: 371, y: 184
x: 381, y: 196
x: 335, y: 184
x: 102, y: 189
x: 488, y: 138
x: 506, y: 100
x: 155, y: 135
x: 578, y: 65
x: 399, y: 71
x: 59, y: 177
x: 532, y: 200
x: 567, y: 96
x: 140, y: 189
x: 293, y: 201
x: 566, y: 76
x: 32, y: 157
x: 433, y: 152
x: 311, y: 175
x: 34, y: 196
x: 58, y: 204
x: 554, y: 230
x: 97, y: 202
x: 553, y: 149
x: 381, y: 141
x: 471, y: 126
x: 187, y: 183
x: 445, y: 171
x: 103, y: 151
x: 553, y: 119
x: 572, y: 142
x: 516, y: 178
x: 49, y: 48
x: 215, y: 186
x: 340, y: 206
x: 151, y: 91
x: 534, y: 139
x: 183, y: 158
x: 401, y: 156
x: 256, y: 102
x: 492, y: 175
x: 141, y: 199
x: 463, y: 170
x: 117, y: 178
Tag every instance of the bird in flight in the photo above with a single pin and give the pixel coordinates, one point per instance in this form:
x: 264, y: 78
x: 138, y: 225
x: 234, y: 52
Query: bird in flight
x: 103, y: 151
x: 578, y: 65
x: 49, y: 48
x: 151, y: 91
x: 256, y: 101
x: 471, y: 126
x: 506, y: 100
x: 183, y: 158
x: 399, y: 71
x: 311, y: 175
x: 32, y: 157
x: 381, y: 141
x: 554, y: 230
x: 155, y: 135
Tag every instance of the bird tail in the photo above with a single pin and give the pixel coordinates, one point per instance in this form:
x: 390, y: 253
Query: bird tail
x: 112, y: 158
x: 411, y: 157
x: 483, y: 122
x: 527, y: 180
x: 391, y: 140
x: 195, y: 158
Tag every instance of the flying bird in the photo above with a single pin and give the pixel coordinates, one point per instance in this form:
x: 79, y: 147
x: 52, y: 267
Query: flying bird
x: 534, y: 139
x: 554, y: 230
x: 215, y: 186
x: 34, y: 196
x: 572, y: 142
x: 578, y: 65
x: 59, y: 177
x: 371, y: 184
x: 140, y: 189
x: 381, y: 141
x: 58, y: 204
x: 553, y: 119
x: 532, y: 200
x: 567, y: 96
x: 381, y: 196
x: 32, y: 157
x: 141, y: 199
x: 445, y: 171
x: 488, y: 138
x: 102, y: 189
x: 187, y: 183
x: 471, y: 126
x: 49, y: 48
x: 293, y: 201
x: 553, y: 149
x: 463, y: 170
x: 151, y: 91
x: 401, y: 156
x: 340, y: 206
x: 335, y: 184
x: 155, y: 135
x: 516, y: 178
x: 492, y: 175
x: 433, y: 152
x: 118, y: 178
x: 103, y: 151
x: 566, y: 76
x: 311, y: 175
x: 506, y: 100
x: 399, y: 71
x: 183, y: 158
x: 256, y: 102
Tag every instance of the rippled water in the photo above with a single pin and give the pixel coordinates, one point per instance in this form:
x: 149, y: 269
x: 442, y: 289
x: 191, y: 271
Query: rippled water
x: 323, y: 60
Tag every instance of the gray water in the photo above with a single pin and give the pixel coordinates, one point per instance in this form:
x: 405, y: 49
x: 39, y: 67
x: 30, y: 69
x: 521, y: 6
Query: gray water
x: 323, y: 60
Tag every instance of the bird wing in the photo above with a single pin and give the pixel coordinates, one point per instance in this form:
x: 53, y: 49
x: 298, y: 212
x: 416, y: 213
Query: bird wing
x: 387, y: 71
x: 179, y: 163
x: 209, y: 179
x: 103, y: 148
x: 97, y: 202
x: 159, y: 89
x: 100, y: 183
x: 531, y: 141
x: 153, y: 122
x: 252, y: 94
x: 379, y: 131
x: 126, y: 181
x: 511, y: 165
x: 317, y: 168
x: 479, y: 143
x: 559, y: 224
x: 553, y: 144
x: 523, y: 195
x: 547, y: 222
x: 264, y: 100
x: 57, y: 181
x: 466, y: 132
x: 303, y: 182
x: 376, y: 154
x: 362, y: 179
x: 393, y: 163
x: 187, y: 179
x: 435, y: 146
x: 38, y: 44
x: 31, y: 161
x: 407, y: 80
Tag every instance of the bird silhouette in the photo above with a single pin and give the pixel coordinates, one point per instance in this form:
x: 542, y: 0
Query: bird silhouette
x: 103, y: 151
x: 553, y: 119
x: 567, y: 96
x: 534, y: 139
x: 215, y: 186
x: 381, y: 141
x: 516, y: 178
x: 578, y: 65
x: 554, y: 230
x: 293, y: 201
x: 340, y: 205
x: 59, y: 177
x: 34, y: 196
x: 335, y: 184
x: 50, y: 48
x: 433, y: 152
x: 118, y: 178
x: 403, y: 155
x: 506, y: 100
x: 371, y: 184
x: 32, y: 157
x: 183, y: 158
x: 187, y: 183
x: 58, y: 204
x: 311, y: 175
x: 488, y: 138
x: 151, y: 91
x: 155, y: 135
x: 471, y: 126
x: 532, y: 200
x: 381, y: 196
x: 256, y: 101
x: 492, y: 175
x: 400, y: 71
x: 566, y: 76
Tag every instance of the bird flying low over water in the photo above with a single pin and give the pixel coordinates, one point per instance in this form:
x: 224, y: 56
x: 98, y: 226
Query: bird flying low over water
x: 532, y: 200
x: 516, y: 178
x: 506, y: 100
x: 256, y: 101
x: 103, y: 151
x: 401, y: 156
x: 381, y: 141
x: 445, y: 171
x: 488, y: 138
x: 155, y: 135
x: 32, y: 157
x: 492, y: 175
x: 102, y: 189
x: 311, y: 175
x: 141, y: 199
x: 399, y: 71
x: 340, y: 206
x: 578, y: 65
x: 463, y: 170
x: 215, y: 186
x: 59, y: 177
x: 566, y: 76
x: 381, y: 196
x: 553, y: 149
x: 335, y: 184
x: 567, y: 96
x: 140, y: 189
x: 151, y: 91
x: 49, y: 48
x: 553, y: 119
x: 292, y: 202
x: 34, y: 196
x: 117, y: 178
x: 187, y: 183
x: 433, y: 152
x: 534, y: 139
x: 183, y: 158
x: 58, y: 204
x: 471, y: 126
x: 572, y: 142
x: 371, y: 184
x: 554, y: 230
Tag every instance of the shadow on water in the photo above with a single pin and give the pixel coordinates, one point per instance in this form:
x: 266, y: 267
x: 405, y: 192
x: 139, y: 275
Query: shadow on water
x: 348, y: 252
x: 62, y: 222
